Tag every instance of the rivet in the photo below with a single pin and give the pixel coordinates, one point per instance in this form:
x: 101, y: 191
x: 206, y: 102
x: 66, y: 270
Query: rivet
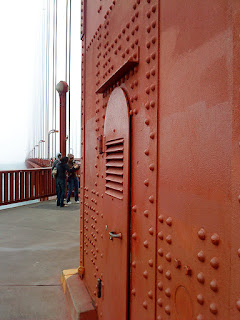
x: 135, y: 111
x: 177, y: 263
x: 153, y: 87
x: 214, y: 285
x: 168, y: 275
x: 153, y: 72
x: 148, y: 44
x: 150, y: 262
x: 202, y: 234
x: 151, y: 199
x: 169, y: 221
x: 152, y: 104
x: 160, y: 286
x: 145, y: 243
x: 238, y: 305
x: 238, y: 252
x: 149, y: 29
x: 168, y: 309
x: 214, y: 262
x: 160, y: 269
x: 147, y: 105
x: 133, y: 292
x: 150, y: 294
x: 168, y: 292
x: 131, y: 112
x: 160, y: 218
x: 201, y: 256
x: 147, y: 122
x: 200, y: 277
x: 215, y: 239
x: 148, y: 59
x: 188, y: 270
x: 160, y: 252
x: 154, y: 24
x: 146, y: 153
x: 154, y: 8
x: 145, y: 274
x: 200, y: 317
x: 134, y: 264
x: 134, y: 236
x: 160, y: 235
x: 200, y: 299
x: 147, y: 90
x: 213, y: 308
x: 168, y: 257
x: 160, y: 302
x: 146, y: 213
x: 151, y: 231
x: 169, y: 239
x: 146, y: 182
x: 152, y: 135
x: 145, y: 304
x: 134, y: 208
x: 151, y: 167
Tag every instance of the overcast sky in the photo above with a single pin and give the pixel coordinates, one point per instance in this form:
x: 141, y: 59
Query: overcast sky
x: 20, y: 33
x: 21, y: 47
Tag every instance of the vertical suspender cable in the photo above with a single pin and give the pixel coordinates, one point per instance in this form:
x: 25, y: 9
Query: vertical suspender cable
x: 66, y: 60
x: 42, y: 103
x: 69, y: 67
x: 53, y: 75
x: 47, y: 79
x: 55, y: 80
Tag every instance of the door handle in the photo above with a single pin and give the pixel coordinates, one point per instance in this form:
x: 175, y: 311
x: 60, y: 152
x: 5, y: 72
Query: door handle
x: 115, y: 235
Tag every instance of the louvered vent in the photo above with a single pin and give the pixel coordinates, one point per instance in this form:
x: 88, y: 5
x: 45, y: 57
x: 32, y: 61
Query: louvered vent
x: 114, y: 168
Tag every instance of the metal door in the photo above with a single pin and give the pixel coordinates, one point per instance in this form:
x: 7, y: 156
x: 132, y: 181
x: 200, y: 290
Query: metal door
x: 116, y: 206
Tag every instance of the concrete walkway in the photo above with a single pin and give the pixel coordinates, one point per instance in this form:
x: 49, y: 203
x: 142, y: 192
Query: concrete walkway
x: 37, y: 242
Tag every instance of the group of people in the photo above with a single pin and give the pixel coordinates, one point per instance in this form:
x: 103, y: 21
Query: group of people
x: 62, y: 168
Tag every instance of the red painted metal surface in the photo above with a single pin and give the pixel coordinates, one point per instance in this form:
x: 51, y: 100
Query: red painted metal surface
x: 184, y: 186
x: 62, y: 88
x: 23, y: 185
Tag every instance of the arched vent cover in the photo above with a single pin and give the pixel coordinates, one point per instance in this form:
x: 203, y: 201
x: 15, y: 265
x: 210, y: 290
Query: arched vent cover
x: 114, y: 168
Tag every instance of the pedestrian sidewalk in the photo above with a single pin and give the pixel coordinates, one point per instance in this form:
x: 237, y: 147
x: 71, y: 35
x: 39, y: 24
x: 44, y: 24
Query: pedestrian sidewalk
x: 37, y: 242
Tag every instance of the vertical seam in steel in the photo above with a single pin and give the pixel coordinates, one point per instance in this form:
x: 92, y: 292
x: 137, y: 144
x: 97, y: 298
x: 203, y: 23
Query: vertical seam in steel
x: 83, y: 91
x: 130, y: 215
x: 157, y: 156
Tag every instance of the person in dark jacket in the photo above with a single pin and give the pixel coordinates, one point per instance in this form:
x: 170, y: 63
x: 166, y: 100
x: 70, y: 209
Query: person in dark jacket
x: 72, y: 180
x: 62, y: 168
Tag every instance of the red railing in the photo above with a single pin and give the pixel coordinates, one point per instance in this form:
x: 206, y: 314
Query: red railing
x: 24, y: 185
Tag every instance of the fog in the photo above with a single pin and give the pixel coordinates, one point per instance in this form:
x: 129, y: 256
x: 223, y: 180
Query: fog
x: 23, y: 42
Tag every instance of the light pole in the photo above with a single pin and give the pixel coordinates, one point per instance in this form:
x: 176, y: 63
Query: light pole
x: 49, y: 132
x: 39, y: 147
x: 34, y: 150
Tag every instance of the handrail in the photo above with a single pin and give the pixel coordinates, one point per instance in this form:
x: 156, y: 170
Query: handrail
x: 27, y: 184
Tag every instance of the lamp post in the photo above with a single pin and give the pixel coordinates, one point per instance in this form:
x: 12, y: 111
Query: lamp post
x: 62, y: 88
x: 49, y: 132
x: 35, y: 149
x: 39, y: 153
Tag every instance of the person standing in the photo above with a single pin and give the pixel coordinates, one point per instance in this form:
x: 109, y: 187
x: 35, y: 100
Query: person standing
x: 55, y: 162
x: 54, y: 167
x: 62, y: 168
x: 72, y: 180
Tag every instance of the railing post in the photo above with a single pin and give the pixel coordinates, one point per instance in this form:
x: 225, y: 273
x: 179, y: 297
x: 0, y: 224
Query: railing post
x: 6, y: 187
x: 1, y: 199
